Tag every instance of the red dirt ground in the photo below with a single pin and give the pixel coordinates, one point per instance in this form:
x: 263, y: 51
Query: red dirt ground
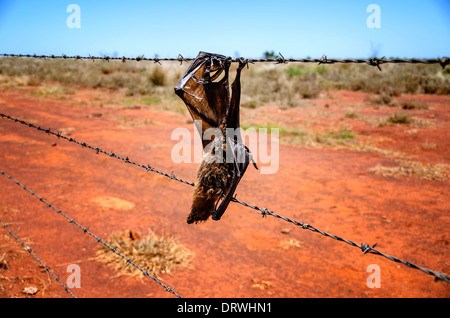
x: 240, y: 255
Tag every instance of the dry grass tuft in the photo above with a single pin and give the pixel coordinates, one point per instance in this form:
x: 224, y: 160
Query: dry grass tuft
x: 290, y: 243
x: 438, y: 172
x: 157, y: 255
x: 261, y: 284
x: 384, y: 99
x: 400, y: 119
x: 414, y: 105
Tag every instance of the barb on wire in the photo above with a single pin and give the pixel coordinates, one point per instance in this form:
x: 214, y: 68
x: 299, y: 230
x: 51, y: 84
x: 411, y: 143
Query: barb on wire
x: 374, y: 61
x: 86, y: 230
x: 323, y: 60
x: 280, y: 59
x: 28, y: 249
x: 263, y: 211
x: 181, y: 59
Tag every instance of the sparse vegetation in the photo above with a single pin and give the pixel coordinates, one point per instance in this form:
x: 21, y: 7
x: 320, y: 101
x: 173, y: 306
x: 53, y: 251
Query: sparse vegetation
x: 125, y: 121
x: 262, y: 84
x: 145, y: 100
x: 56, y: 91
x: 157, y: 77
x: 413, y: 105
x: 290, y: 243
x: 383, y: 99
x: 341, y: 135
x: 439, y: 172
x: 283, y: 86
x: 351, y: 115
x: 341, y: 186
x: 269, y: 54
x: 249, y: 103
x: 429, y: 146
x: 308, y: 138
x: 134, y: 77
x: 155, y: 254
x: 400, y: 119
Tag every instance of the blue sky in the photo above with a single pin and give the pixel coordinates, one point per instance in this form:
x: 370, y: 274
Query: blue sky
x: 296, y: 28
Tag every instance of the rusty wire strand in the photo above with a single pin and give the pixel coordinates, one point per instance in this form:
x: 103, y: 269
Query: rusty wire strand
x: 365, y: 248
x: 87, y: 231
x: 374, y: 61
x: 28, y: 249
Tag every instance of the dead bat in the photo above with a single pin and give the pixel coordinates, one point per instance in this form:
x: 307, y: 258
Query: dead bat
x: 204, y: 88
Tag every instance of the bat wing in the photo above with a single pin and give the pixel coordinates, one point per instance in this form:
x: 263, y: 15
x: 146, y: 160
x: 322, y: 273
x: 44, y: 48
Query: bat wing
x: 242, y: 157
x: 206, y: 95
x: 233, y: 120
x: 205, y: 92
x: 240, y: 154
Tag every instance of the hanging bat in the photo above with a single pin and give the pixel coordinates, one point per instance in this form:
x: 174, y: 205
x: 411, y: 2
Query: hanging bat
x: 204, y: 88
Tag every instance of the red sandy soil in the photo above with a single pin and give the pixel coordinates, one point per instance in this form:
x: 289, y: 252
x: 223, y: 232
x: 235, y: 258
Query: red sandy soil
x: 241, y: 255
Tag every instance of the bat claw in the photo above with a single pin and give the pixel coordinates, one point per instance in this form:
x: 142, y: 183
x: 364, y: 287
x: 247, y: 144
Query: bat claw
x: 243, y: 62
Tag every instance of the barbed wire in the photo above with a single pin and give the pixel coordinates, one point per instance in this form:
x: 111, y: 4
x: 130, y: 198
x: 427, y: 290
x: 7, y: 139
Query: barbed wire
x: 365, y: 248
x: 87, y: 231
x: 374, y: 61
x: 96, y: 149
x: 28, y: 249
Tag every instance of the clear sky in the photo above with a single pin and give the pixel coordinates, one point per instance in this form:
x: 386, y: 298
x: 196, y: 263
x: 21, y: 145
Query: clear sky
x: 296, y: 28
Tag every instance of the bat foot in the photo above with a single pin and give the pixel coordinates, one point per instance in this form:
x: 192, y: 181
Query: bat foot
x: 195, y: 219
x: 190, y: 220
x: 198, y: 215
x: 217, y: 216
